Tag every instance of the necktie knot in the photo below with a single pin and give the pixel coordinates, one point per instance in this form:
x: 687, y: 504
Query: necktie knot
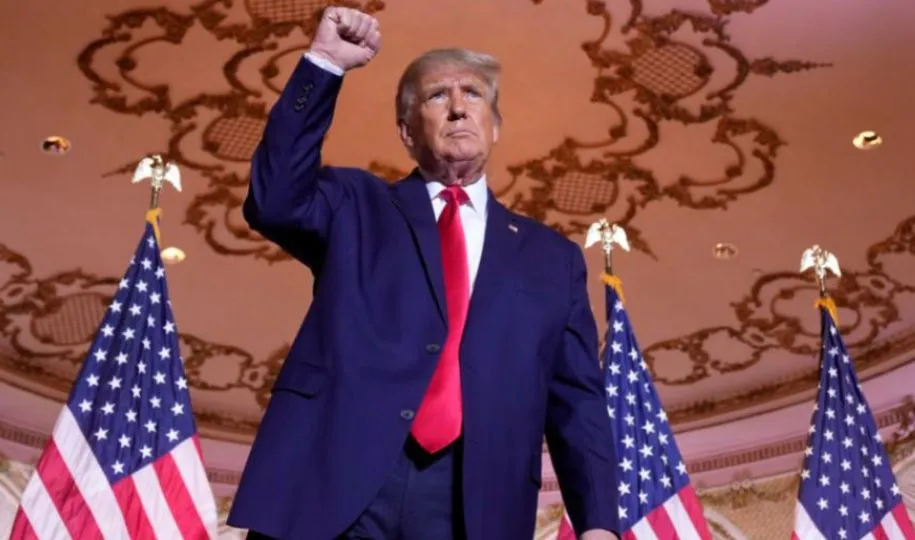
x: 455, y: 194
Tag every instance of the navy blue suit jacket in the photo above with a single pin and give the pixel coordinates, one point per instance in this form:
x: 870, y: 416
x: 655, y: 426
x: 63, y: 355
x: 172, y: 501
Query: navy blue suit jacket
x: 343, y: 402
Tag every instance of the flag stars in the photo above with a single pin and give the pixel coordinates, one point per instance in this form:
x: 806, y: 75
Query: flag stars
x: 160, y: 272
x: 155, y: 402
x: 131, y: 416
x: 181, y: 383
x: 85, y: 406
x: 117, y: 467
x: 178, y: 409
x: 823, y: 503
x: 150, y: 426
x: 142, y: 286
x: 146, y: 452
x: 824, y: 480
x: 124, y: 283
x: 159, y: 377
x: 136, y: 310
x: 115, y: 307
x: 128, y: 333
x: 164, y: 352
x: 121, y: 359
x: 108, y: 408
x: 135, y: 391
x: 124, y: 441
x: 92, y: 380
x: 172, y: 435
x: 100, y: 355
x: 169, y: 327
x: 155, y: 298
x: 101, y: 434
x: 146, y: 263
x: 107, y: 330
x: 114, y: 383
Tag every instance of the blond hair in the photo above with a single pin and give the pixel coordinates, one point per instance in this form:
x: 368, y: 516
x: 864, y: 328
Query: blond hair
x: 484, y: 65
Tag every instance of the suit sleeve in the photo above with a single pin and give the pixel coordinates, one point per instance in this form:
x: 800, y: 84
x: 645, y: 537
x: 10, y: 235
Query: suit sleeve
x: 292, y: 198
x: 577, y: 428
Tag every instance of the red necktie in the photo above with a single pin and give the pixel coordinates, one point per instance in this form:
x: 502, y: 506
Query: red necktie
x: 438, y: 422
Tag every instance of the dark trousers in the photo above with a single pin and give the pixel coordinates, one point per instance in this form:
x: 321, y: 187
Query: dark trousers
x: 420, y: 500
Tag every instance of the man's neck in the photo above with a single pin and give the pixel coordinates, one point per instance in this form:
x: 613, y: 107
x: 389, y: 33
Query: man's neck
x: 453, y: 178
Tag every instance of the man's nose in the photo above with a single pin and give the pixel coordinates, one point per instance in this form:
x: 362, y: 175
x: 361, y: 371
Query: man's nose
x: 457, y: 108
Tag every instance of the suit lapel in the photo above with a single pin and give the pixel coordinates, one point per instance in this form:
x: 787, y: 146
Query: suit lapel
x: 412, y: 199
x: 500, y: 249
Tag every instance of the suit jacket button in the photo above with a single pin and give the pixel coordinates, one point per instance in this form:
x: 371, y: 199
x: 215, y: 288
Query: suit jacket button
x: 433, y: 348
x: 407, y: 414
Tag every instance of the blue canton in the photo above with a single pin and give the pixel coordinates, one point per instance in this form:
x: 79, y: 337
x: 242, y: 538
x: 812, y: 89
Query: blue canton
x: 131, y: 397
x: 651, y: 467
x: 847, y: 486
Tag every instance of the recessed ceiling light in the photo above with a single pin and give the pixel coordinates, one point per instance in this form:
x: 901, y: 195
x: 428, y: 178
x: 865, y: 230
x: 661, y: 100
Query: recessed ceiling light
x: 172, y: 255
x: 55, y: 145
x: 867, y: 140
x: 724, y: 251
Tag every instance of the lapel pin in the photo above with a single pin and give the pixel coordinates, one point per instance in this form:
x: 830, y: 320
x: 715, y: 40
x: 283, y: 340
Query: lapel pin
x: 513, y: 228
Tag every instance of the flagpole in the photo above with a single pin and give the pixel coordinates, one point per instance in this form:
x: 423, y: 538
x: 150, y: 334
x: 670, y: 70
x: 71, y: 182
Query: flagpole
x: 159, y: 170
x: 609, y: 235
x: 822, y: 263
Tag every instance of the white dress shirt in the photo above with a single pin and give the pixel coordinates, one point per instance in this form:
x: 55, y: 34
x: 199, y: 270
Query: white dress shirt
x: 473, y: 212
x: 473, y: 219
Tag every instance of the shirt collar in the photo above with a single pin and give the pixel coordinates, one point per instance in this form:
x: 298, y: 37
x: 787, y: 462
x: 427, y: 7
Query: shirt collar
x: 476, y: 192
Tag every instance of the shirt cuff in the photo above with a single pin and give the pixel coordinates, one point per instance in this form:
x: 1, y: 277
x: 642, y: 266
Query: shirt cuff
x: 325, y: 64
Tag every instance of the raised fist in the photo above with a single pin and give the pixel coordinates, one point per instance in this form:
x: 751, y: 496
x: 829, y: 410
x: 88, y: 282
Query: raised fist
x: 346, y: 37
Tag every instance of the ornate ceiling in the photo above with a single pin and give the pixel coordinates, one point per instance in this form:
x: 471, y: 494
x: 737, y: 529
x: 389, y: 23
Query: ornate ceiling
x: 690, y: 122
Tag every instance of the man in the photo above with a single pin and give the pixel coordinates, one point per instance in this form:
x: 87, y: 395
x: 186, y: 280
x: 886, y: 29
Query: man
x: 446, y: 335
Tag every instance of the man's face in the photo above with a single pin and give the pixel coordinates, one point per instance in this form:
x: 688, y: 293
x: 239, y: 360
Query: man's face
x: 452, y: 124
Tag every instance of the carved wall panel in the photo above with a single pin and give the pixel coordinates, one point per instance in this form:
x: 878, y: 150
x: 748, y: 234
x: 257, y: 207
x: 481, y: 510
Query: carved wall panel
x: 775, y: 316
x: 662, y: 75
x: 47, y: 324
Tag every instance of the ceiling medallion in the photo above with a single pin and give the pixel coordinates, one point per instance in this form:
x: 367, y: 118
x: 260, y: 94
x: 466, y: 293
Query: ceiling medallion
x: 647, y: 70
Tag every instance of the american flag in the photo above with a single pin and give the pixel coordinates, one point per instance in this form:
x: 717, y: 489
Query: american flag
x: 847, y: 487
x: 123, y: 460
x: 657, y: 501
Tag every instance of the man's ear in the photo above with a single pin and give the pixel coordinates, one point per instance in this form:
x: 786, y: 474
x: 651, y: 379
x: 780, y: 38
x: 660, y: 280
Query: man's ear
x: 495, y: 131
x: 405, y: 137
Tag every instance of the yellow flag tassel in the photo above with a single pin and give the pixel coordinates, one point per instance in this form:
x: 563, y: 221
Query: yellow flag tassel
x: 152, y: 217
x: 616, y: 283
x: 829, y: 305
